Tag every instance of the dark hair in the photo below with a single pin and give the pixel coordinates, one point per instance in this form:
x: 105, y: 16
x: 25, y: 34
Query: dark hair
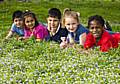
x: 97, y: 18
x: 31, y: 14
x: 17, y: 14
x: 54, y: 12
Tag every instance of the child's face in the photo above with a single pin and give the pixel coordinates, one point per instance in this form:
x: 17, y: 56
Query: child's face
x: 29, y: 22
x: 96, y: 28
x: 18, y: 22
x: 53, y: 23
x: 71, y: 24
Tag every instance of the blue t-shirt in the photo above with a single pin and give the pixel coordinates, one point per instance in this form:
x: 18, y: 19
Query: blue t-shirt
x: 17, y: 30
x: 80, y: 30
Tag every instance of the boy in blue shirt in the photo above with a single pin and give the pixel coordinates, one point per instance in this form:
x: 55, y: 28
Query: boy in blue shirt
x: 17, y: 25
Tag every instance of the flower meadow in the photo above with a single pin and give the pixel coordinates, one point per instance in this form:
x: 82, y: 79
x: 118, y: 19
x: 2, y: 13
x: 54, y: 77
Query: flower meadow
x: 45, y: 62
x: 30, y: 62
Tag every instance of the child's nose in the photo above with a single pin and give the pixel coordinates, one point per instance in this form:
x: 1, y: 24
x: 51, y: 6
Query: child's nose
x: 18, y: 22
x: 52, y: 22
x: 30, y: 23
x: 71, y: 26
x: 94, y: 29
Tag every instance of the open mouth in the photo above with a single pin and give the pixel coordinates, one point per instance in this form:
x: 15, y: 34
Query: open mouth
x: 96, y: 34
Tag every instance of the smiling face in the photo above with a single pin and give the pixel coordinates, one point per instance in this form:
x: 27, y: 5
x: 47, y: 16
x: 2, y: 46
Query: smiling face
x: 96, y: 28
x: 18, y: 22
x: 53, y: 23
x: 29, y: 22
x: 71, y: 24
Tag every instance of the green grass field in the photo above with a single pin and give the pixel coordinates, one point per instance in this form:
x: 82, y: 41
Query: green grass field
x: 44, y: 62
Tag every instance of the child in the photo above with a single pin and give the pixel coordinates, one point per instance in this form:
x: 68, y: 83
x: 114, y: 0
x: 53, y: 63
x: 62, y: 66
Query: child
x: 33, y: 29
x: 98, y: 36
x: 76, y: 32
x: 17, y: 26
x: 54, y: 26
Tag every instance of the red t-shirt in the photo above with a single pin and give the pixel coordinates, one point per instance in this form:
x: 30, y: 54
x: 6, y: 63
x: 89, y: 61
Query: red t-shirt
x: 116, y: 36
x: 106, y: 42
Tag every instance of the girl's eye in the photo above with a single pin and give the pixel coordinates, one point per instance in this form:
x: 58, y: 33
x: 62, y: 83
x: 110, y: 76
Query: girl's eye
x: 27, y: 21
x: 68, y: 24
x: 31, y: 20
x: 92, y: 28
x: 74, y: 23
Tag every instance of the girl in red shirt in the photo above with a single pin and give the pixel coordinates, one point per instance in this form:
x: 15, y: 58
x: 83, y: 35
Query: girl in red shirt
x: 98, y: 36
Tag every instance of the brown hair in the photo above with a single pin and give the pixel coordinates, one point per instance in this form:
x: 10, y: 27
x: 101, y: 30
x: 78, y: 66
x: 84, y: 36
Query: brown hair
x: 29, y: 13
x: 69, y: 13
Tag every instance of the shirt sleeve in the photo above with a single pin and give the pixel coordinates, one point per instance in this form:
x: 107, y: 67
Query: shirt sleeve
x: 64, y: 32
x: 90, y: 41
x: 108, y: 43
x: 26, y: 33
x: 45, y: 32
x: 41, y: 32
x: 13, y: 27
x: 116, y: 36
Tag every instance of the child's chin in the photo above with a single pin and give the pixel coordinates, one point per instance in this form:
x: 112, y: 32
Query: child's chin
x: 19, y: 26
x: 96, y: 36
x: 72, y: 31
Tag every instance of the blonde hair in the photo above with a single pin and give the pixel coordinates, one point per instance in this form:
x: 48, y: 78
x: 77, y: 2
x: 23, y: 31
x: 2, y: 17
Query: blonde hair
x: 70, y: 13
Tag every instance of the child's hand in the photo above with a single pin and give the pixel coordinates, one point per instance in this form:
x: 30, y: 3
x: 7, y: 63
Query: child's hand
x: 38, y: 39
x: 64, y: 43
x: 63, y: 39
x: 20, y: 38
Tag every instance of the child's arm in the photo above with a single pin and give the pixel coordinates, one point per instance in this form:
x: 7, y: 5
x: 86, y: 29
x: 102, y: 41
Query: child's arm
x: 90, y: 41
x: 9, y: 34
x: 42, y: 34
x: 82, y: 39
x: 108, y: 43
x: 21, y: 38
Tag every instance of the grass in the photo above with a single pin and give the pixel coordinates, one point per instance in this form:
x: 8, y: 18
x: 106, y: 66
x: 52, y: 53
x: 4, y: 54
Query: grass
x: 44, y: 62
